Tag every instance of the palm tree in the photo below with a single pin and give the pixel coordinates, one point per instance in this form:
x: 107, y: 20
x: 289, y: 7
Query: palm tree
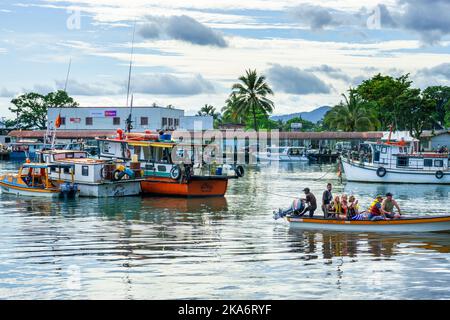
x: 352, y: 115
x: 251, y: 96
x: 229, y: 111
x: 209, y: 110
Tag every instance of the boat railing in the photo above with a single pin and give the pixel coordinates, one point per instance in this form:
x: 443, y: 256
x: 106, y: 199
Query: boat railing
x: 367, y: 161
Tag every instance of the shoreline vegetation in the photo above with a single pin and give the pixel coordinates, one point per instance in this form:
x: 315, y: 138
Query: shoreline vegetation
x: 377, y: 104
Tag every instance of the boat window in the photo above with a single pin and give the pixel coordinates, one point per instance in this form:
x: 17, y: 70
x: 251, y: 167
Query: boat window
x: 52, y: 169
x: 438, y: 163
x: 69, y: 155
x: 384, y: 150
x: 428, y: 162
x: 162, y: 168
x: 376, y: 157
x: 149, y: 167
x: 147, y: 153
x: 105, y: 147
x: 402, y: 161
x: 85, y: 171
x: 137, y: 151
x: 67, y: 170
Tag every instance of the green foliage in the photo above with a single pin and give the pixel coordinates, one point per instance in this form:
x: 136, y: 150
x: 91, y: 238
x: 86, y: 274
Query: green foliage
x: 353, y: 114
x: 419, y: 109
x: 383, y: 92
x: 249, y: 97
x: 31, y: 108
x: 441, y: 97
x: 306, y: 125
x: 10, y: 123
x: 209, y: 110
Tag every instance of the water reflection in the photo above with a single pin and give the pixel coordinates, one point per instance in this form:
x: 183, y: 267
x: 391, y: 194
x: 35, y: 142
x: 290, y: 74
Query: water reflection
x: 328, y: 244
x: 172, y: 248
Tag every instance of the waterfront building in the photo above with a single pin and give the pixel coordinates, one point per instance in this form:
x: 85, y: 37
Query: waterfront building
x: 113, y: 118
x: 432, y: 141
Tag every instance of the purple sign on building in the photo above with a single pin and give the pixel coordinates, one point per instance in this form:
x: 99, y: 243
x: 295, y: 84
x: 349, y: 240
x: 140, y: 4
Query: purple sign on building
x: 110, y: 113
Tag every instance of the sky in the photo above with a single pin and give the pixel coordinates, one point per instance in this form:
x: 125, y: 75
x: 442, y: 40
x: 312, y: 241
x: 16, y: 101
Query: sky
x: 189, y: 53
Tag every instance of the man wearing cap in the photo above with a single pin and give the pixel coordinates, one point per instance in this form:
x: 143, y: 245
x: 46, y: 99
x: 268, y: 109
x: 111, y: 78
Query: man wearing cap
x: 311, y: 201
x: 388, y: 207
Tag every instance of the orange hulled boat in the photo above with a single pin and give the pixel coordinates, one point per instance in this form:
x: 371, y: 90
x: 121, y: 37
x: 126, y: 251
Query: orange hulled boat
x: 167, y: 166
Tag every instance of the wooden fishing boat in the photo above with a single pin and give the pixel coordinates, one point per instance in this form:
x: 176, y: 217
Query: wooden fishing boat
x: 33, y: 179
x: 154, y: 154
x: 408, y: 224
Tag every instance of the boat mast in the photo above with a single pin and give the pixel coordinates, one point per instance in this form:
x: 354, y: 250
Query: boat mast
x: 68, y: 73
x: 128, y: 121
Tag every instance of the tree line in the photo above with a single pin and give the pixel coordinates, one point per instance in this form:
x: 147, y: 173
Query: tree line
x: 375, y: 105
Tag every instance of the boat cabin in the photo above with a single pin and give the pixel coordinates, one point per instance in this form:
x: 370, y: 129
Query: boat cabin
x: 402, y: 155
x: 37, y: 175
x: 85, y: 169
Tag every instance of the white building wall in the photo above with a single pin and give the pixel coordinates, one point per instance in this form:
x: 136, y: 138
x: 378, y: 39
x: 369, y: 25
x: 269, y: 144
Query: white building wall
x: 103, y: 118
x: 189, y: 122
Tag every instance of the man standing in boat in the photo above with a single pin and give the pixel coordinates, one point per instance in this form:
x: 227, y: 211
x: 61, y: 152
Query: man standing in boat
x: 327, y: 198
x: 388, y: 207
x: 311, y: 201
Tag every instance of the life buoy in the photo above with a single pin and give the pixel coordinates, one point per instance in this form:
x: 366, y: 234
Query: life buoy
x: 175, y: 172
x: 439, y: 174
x: 381, y: 172
x: 240, y: 171
x: 118, y: 175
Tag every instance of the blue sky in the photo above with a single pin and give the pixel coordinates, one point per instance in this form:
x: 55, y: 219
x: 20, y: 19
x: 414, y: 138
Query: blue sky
x: 189, y: 53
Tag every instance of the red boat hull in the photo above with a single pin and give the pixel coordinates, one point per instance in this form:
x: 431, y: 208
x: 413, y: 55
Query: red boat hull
x: 196, y: 187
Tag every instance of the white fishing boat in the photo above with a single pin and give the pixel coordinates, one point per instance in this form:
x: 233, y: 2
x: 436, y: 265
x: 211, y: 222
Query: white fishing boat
x: 283, y: 154
x: 396, y: 159
x: 94, y: 177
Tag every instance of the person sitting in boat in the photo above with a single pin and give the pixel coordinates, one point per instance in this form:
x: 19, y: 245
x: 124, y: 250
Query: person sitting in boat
x: 342, y: 215
x: 297, y: 208
x: 311, y: 201
x: 335, y: 207
x: 353, y: 207
x: 388, y: 206
x: 376, y: 211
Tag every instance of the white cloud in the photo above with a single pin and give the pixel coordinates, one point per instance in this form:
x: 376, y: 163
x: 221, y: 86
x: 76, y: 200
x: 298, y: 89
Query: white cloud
x: 5, y: 93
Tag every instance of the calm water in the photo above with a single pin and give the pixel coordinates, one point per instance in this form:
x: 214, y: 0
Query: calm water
x: 228, y: 248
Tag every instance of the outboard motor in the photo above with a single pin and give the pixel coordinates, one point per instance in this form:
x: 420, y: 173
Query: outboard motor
x: 68, y: 190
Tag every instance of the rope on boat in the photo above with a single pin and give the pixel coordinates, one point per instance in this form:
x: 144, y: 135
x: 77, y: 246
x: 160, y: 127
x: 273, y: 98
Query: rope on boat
x: 296, y: 197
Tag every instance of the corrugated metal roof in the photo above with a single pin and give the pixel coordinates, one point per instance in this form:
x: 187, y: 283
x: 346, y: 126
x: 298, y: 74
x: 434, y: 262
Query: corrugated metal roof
x: 67, y: 134
x: 63, y: 134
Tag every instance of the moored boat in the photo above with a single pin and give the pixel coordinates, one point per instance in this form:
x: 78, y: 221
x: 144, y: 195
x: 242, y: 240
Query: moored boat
x: 94, y: 177
x: 396, y: 160
x: 282, y: 154
x: 406, y: 224
x: 33, y: 179
x: 155, y: 155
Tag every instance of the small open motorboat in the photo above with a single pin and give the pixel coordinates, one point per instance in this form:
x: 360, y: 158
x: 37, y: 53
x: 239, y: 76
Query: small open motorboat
x: 33, y: 179
x: 408, y: 224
